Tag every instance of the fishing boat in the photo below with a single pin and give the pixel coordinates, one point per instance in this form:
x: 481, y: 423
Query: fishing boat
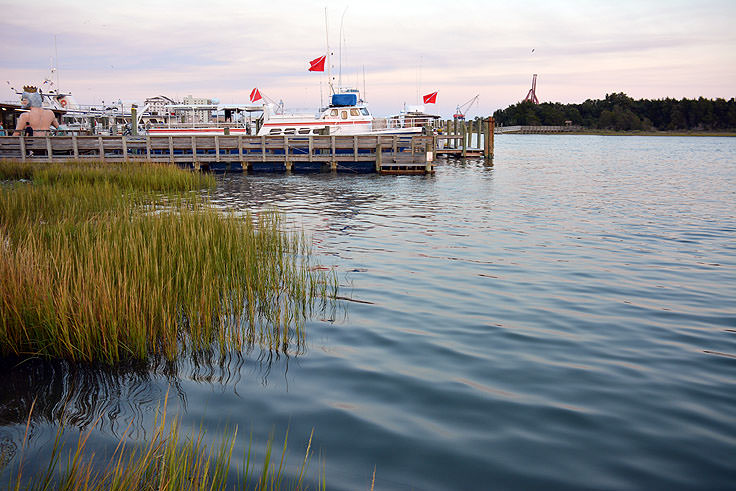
x: 347, y: 114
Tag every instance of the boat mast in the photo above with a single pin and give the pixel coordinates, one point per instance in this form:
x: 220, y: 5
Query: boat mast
x: 329, y: 64
x: 342, y: 19
x: 56, y: 68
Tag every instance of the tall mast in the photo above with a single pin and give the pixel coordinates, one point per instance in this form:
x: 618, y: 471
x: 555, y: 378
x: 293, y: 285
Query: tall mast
x: 342, y: 19
x: 56, y: 68
x: 329, y: 64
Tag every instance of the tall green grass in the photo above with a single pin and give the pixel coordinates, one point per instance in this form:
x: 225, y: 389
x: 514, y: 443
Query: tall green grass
x: 115, y: 262
x: 169, y: 460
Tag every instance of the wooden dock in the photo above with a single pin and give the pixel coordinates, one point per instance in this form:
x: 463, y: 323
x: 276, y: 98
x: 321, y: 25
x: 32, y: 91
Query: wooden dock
x: 382, y: 154
x: 456, y: 138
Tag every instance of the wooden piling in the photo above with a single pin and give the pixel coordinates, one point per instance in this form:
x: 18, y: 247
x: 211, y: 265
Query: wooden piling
x: 125, y: 148
x: 429, y: 153
x: 463, y: 129
x: 379, y: 159
x: 133, y: 121
x: 480, y: 132
x: 488, y: 146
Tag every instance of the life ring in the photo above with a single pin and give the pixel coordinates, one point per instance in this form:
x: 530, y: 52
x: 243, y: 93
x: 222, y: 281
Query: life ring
x: 62, y: 102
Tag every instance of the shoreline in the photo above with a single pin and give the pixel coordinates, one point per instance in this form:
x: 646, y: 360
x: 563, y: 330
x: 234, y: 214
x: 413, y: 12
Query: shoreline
x: 633, y: 133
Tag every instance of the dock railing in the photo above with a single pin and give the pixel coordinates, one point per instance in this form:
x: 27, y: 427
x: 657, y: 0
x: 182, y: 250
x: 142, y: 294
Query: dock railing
x: 383, y: 154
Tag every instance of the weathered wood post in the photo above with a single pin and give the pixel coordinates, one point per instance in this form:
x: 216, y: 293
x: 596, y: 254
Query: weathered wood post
x: 379, y: 160
x: 124, y: 142
x: 454, y: 134
x: 480, y: 133
x: 429, y: 153
x: 195, y: 163
x: 333, y: 162
x: 134, y: 120
x: 287, y: 163
x: 464, y: 132
x: 488, y: 147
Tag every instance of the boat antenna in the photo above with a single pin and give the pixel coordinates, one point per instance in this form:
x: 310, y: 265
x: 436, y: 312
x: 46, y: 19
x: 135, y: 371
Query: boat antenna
x: 329, y: 64
x: 342, y: 19
x: 419, y: 77
x: 56, y: 62
x: 364, y: 97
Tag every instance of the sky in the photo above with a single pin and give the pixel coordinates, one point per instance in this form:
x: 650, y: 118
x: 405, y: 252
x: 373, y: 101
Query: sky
x: 393, y: 51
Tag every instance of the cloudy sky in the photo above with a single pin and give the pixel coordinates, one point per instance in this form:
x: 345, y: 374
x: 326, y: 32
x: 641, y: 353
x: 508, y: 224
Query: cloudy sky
x: 133, y: 49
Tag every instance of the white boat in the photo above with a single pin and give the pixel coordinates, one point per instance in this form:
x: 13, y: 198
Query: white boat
x: 204, y: 119
x: 346, y: 115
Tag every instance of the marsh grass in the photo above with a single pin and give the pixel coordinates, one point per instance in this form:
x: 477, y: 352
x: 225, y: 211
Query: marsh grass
x: 169, y: 460
x: 103, y: 263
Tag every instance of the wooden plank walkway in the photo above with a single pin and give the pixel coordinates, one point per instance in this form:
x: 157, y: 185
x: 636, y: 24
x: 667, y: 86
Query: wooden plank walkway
x: 388, y: 154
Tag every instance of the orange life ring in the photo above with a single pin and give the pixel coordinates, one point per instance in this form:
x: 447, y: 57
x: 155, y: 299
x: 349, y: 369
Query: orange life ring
x: 62, y: 102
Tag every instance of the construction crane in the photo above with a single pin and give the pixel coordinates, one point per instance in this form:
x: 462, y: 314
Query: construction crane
x: 463, y: 108
x: 531, y: 96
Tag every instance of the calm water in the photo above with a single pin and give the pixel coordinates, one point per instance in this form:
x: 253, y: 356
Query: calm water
x: 564, y: 318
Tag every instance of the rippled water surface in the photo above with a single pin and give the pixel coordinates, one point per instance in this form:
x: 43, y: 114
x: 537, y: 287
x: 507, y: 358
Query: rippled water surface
x: 563, y: 318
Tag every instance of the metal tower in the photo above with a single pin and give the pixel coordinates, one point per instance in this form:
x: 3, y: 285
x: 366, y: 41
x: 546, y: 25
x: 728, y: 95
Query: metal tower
x: 531, y: 96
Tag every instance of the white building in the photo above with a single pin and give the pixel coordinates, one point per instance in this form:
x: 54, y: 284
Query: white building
x: 157, y: 105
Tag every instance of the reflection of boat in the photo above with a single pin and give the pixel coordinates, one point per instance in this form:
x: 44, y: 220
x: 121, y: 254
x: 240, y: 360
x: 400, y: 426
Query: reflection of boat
x: 346, y: 115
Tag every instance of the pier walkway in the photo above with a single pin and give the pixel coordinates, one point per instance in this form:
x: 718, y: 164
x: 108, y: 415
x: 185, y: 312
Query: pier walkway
x: 383, y: 154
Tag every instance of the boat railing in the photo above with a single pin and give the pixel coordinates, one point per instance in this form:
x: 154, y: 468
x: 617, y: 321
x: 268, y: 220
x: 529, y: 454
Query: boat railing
x: 199, y: 124
x: 395, y: 122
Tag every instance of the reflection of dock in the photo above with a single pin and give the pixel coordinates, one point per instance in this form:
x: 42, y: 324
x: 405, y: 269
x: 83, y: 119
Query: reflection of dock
x: 389, y: 154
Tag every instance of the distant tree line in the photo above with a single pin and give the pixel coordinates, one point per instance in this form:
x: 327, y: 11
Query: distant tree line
x: 620, y: 112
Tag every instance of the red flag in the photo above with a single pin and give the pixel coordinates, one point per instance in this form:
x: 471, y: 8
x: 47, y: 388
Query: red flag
x: 430, y: 98
x: 318, y: 64
x: 255, y: 95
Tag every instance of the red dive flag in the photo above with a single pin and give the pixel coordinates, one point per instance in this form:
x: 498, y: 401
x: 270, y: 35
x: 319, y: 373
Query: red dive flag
x: 255, y: 95
x: 430, y: 98
x: 318, y: 64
